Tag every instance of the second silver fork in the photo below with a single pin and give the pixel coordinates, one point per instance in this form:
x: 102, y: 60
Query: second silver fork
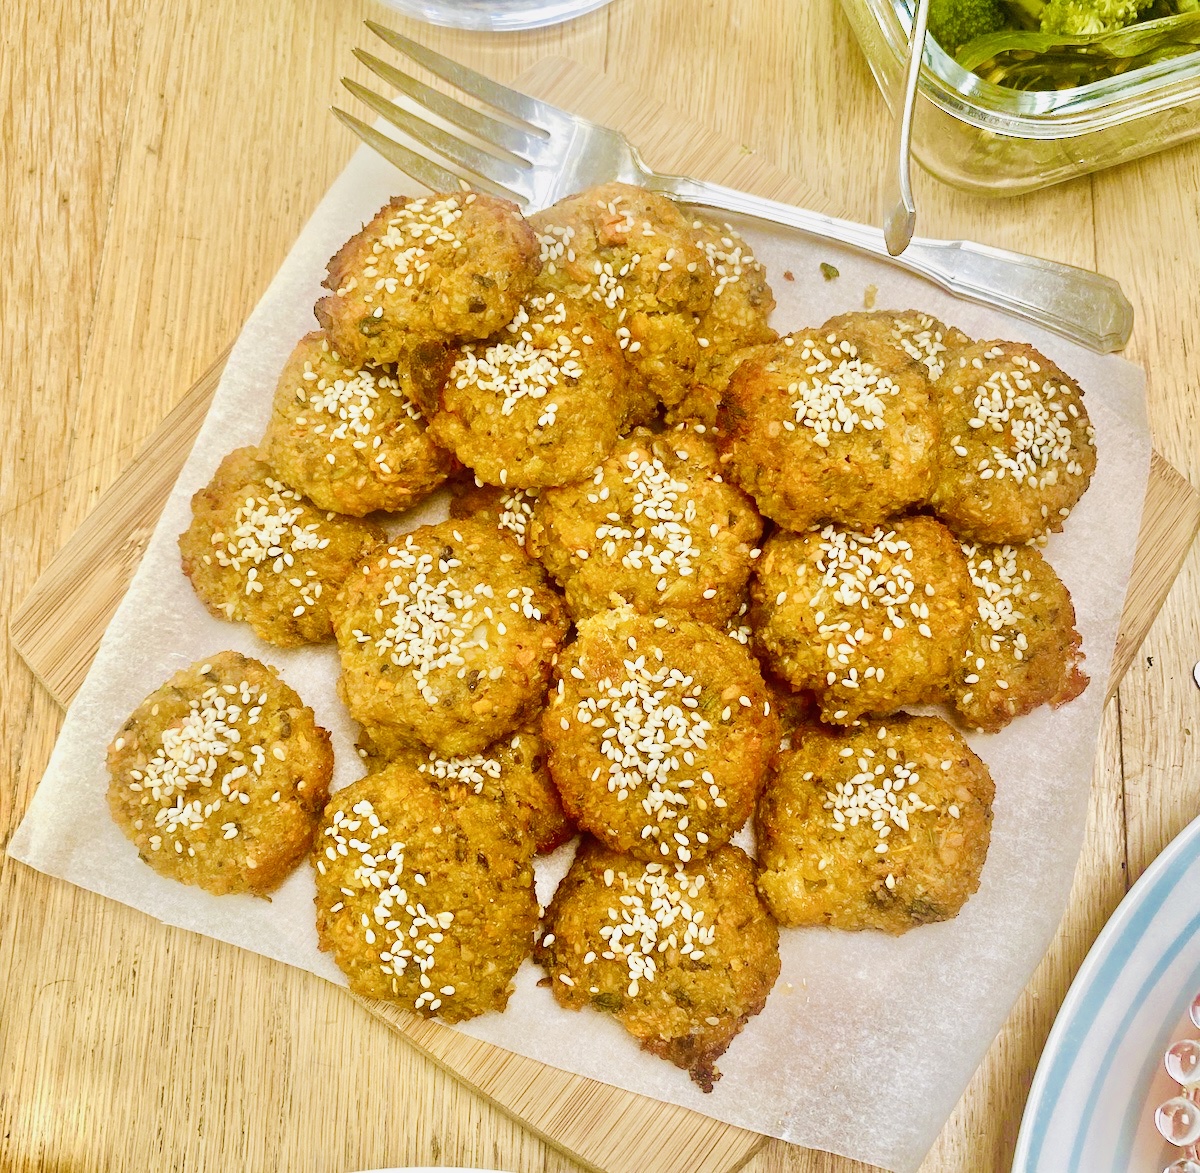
x: 539, y: 153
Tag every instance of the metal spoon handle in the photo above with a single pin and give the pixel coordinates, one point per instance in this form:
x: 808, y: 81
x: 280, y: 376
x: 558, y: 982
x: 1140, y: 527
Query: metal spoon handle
x: 901, y: 220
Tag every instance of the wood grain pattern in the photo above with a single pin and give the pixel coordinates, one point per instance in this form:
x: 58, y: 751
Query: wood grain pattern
x: 160, y: 160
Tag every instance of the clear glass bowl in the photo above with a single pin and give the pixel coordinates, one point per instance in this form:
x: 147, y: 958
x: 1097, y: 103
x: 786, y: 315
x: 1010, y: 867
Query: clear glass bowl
x: 497, y: 16
x: 994, y: 141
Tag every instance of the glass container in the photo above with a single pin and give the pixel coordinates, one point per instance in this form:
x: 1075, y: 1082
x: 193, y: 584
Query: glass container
x: 987, y: 139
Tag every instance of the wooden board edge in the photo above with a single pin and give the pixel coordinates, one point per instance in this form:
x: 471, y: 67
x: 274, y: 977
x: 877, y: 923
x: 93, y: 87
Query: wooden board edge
x: 122, y: 520
x: 1171, y: 504
x: 659, y: 1137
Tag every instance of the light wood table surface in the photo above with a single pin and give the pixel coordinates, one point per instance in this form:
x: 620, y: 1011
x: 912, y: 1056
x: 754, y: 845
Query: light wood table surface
x: 159, y: 159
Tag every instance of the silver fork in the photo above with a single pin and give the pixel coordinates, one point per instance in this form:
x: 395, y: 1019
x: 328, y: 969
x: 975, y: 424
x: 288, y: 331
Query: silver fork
x: 549, y: 153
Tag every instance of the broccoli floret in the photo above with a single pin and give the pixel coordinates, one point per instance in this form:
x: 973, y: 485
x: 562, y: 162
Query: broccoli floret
x: 1080, y: 18
x: 952, y: 23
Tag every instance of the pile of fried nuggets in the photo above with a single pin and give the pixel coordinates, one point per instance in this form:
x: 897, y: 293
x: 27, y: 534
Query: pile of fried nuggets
x: 692, y: 575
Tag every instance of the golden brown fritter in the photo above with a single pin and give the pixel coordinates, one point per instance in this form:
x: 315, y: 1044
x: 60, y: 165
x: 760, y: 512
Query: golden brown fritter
x: 540, y: 403
x: 447, y: 636
x: 918, y: 336
x: 1016, y: 451
x: 1024, y: 650
x: 656, y: 527
x: 219, y: 777
x: 682, y: 955
x: 828, y: 425
x: 509, y: 510
x: 631, y: 256
x: 659, y: 734
x: 735, y: 323
x: 257, y: 552
x: 511, y: 770
x: 870, y: 622
x: 352, y: 438
x: 424, y: 893
x: 884, y: 826
x: 431, y: 269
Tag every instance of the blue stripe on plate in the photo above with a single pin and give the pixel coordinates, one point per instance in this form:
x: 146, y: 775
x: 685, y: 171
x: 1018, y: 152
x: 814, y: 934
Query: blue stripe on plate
x: 1093, y: 985
x: 1169, y: 954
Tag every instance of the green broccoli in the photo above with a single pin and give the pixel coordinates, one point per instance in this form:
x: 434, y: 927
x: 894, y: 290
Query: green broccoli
x: 1082, y: 18
x: 952, y: 23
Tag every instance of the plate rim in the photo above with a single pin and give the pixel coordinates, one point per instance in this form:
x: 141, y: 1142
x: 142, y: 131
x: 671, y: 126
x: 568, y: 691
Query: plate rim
x: 1039, y: 1109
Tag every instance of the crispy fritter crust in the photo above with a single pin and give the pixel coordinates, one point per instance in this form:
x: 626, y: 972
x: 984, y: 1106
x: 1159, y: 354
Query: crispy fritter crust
x: 659, y: 734
x: 257, y: 552
x: 509, y: 510
x: 885, y: 826
x: 1016, y: 450
x: 631, y: 256
x: 830, y: 425
x: 430, y: 269
x: 512, y: 770
x: 1024, y: 650
x: 352, y: 438
x: 656, y: 527
x: 424, y: 893
x: 219, y: 777
x: 870, y: 622
x: 917, y: 336
x: 447, y: 636
x: 681, y: 955
x: 540, y: 403
x: 735, y: 323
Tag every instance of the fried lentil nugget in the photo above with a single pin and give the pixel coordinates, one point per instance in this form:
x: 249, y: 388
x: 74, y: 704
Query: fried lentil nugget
x: 352, y: 438
x: 632, y: 257
x: 869, y: 622
x: 659, y: 734
x: 918, y: 336
x: 656, y: 527
x: 511, y: 770
x: 884, y: 826
x: 257, y: 552
x: 428, y: 269
x: 540, y: 403
x: 447, y: 636
x: 682, y: 955
x: 1024, y: 650
x: 424, y: 893
x: 219, y: 777
x: 829, y: 425
x: 734, y: 325
x: 1016, y: 451
x: 509, y: 510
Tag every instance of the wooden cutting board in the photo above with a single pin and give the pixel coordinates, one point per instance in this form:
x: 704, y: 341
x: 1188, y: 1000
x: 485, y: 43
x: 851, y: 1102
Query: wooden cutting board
x: 58, y: 628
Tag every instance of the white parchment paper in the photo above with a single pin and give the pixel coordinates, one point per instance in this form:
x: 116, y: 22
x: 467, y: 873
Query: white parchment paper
x: 867, y: 1042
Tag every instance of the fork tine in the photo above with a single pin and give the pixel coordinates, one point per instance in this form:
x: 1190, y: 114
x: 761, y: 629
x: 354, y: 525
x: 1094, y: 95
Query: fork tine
x: 503, y: 134
x: 477, y: 163
x: 539, y: 116
x: 425, y: 172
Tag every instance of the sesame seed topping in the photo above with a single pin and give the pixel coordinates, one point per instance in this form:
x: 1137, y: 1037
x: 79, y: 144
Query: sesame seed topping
x: 840, y: 391
x: 649, y: 725
x: 526, y: 368
x: 268, y: 534
x: 429, y: 620
x: 654, y: 913
x: 410, y: 931
x: 203, y: 764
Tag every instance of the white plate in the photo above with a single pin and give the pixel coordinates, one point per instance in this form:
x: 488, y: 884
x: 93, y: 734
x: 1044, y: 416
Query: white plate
x: 1091, y: 1107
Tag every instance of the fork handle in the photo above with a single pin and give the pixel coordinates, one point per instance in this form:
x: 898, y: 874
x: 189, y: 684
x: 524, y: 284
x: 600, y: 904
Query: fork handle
x: 1083, y: 306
